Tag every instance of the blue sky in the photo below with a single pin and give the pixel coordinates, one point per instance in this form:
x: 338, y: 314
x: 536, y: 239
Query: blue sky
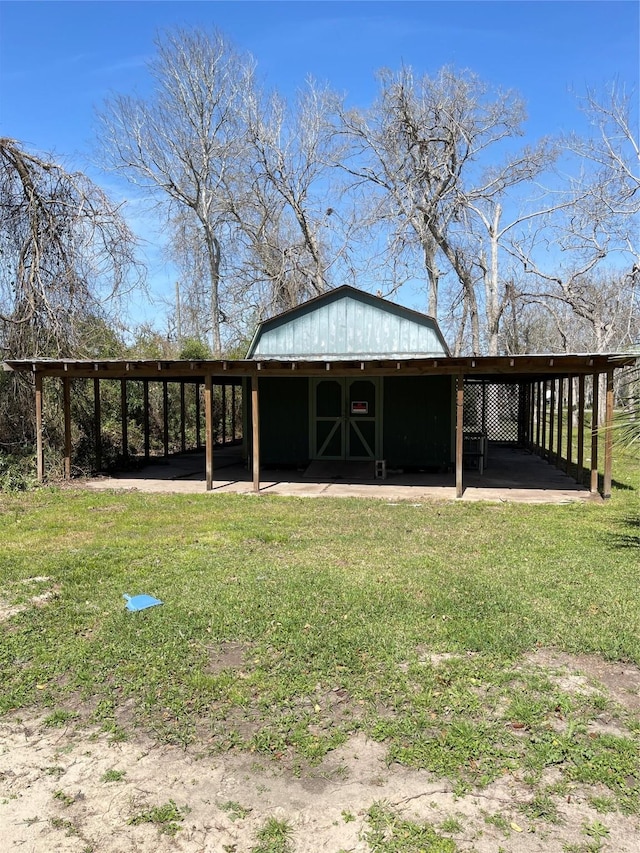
x: 58, y: 60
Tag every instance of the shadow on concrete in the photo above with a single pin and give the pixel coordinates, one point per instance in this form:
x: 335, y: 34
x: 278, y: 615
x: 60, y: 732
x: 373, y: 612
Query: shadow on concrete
x: 511, y: 475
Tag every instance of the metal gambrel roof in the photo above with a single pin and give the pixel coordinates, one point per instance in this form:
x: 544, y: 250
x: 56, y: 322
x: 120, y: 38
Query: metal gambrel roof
x: 347, y: 323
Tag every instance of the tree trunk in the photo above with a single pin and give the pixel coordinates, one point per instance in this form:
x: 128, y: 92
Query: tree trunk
x: 429, y: 249
x: 464, y: 275
x: 213, y: 253
x: 492, y: 303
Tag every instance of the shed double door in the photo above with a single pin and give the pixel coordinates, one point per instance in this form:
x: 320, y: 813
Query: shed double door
x: 345, y: 419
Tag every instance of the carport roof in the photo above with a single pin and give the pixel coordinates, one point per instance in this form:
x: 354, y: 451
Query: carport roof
x: 515, y: 368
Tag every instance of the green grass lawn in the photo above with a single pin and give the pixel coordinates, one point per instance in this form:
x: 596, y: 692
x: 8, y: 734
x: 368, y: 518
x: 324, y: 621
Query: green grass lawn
x: 289, y: 624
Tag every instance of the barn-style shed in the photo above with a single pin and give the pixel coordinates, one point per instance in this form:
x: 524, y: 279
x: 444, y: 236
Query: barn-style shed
x: 350, y: 378
x: 407, y: 421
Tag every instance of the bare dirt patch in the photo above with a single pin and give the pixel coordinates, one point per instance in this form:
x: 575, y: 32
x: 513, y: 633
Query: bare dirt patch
x: 72, y: 790
x: 228, y: 655
x: 586, y: 673
x: 8, y: 610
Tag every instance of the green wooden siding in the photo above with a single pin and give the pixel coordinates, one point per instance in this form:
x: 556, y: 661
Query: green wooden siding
x: 416, y: 421
x: 417, y: 427
x: 284, y: 421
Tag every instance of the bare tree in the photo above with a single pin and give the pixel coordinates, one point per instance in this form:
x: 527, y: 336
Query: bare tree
x: 614, y: 152
x: 592, y: 312
x: 66, y: 254
x: 67, y: 259
x: 585, y: 256
x: 186, y: 250
x: 183, y: 143
x: 423, y: 145
x: 267, y: 264
x: 289, y: 213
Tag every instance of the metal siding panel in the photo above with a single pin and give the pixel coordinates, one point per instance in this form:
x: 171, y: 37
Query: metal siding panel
x: 305, y: 337
x: 380, y: 330
x: 344, y: 324
x: 262, y: 344
x: 348, y: 327
x: 351, y: 322
x: 343, y: 330
x: 323, y: 344
x: 432, y: 341
x: 313, y: 324
x: 404, y: 339
x: 279, y: 343
x: 331, y: 328
x: 407, y: 338
x: 316, y: 327
x: 275, y: 342
x: 356, y: 327
x: 298, y: 334
x: 305, y: 334
x: 398, y: 343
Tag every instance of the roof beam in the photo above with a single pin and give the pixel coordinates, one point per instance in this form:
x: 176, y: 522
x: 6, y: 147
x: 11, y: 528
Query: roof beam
x: 496, y: 368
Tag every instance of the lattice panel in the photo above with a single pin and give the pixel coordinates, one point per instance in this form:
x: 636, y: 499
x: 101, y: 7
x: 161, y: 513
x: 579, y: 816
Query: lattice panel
x: 493, y: 409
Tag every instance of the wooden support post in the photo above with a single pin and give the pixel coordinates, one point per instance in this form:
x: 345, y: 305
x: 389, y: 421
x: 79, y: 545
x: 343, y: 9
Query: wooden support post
x: 233, y: 413
x: 255, y: 423
x: 165, y: 417
x: 538, y: 415
x: 524, y: 392
x: 593, y: 487
x: 531, y: 399
x: 459, y: 433
x: 559, y: 436
x: 97, y: 423
x: 197, y: 406
x: 124, y: 414
x: 145, y: 416
x: 208, y: 429
x: 580, y: 449
x: 608, y: 437
x: 523, y: 415
x: 484, y: 407
x: 39, y: 442
x: 66, y: 402
x: 224, y: 415
x: 569, y: 426
x: 544, y: 419
x: 552, y: 419
x: 183, y: 434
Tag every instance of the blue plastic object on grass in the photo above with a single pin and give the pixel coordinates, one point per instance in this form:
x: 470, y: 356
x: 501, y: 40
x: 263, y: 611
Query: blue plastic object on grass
x: 140, y: 602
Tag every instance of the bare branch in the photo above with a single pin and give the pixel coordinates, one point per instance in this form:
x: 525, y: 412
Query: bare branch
x: 66, y: 253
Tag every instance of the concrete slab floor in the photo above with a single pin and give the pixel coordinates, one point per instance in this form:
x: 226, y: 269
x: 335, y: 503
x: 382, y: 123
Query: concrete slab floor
x: 511, y: 475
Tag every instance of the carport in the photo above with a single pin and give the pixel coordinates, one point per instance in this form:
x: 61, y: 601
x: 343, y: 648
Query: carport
x: 519, y: 401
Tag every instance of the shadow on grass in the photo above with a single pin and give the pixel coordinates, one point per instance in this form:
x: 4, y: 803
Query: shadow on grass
x: 623, y: 487
x: 629, y: 536
x: 584, y: 479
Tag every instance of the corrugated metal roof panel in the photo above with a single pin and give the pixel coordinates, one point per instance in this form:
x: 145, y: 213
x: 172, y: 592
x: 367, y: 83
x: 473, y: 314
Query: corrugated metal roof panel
x: 349, y: 324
